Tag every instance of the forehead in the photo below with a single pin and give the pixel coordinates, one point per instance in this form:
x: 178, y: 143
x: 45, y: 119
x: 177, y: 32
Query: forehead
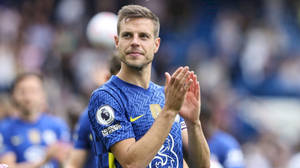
x: 29, y: 81
x: 137, y: 25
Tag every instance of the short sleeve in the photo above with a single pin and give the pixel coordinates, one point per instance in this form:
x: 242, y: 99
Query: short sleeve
x: 2, y: 144
x: 234, y: 159
x: 108, y: 119
x: 5, y: 144
x: 234, y: 156
x: 63, y: 131
x: 83, y: 132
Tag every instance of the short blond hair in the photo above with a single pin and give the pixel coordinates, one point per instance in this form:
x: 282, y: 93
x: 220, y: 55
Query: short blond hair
x: 137, y: 11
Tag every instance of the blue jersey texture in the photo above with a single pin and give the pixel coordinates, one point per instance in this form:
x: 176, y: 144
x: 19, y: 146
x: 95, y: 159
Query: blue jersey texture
x: 3, y: 126
x: 29, y: 140
x: 225, y: 149
x: 83, y: 139
x: 119, y: 110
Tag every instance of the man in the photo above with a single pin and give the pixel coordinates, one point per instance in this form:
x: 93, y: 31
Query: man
x: 82, y: 155
x: 224, y: 148
x: 137, y: 120
x: 33, y: 139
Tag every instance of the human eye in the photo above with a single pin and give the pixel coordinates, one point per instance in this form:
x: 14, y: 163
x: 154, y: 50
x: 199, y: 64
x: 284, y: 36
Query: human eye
x: 126, y: 35
x: 144, y: 36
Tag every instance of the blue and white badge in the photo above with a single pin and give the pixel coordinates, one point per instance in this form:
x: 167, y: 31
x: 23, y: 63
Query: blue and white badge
x: 105, y: 115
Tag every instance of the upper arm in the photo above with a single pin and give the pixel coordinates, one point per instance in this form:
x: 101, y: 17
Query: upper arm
x: 6, y: 148
x: 83, y: 133
x: 108, y: 119
x: 62, y: 130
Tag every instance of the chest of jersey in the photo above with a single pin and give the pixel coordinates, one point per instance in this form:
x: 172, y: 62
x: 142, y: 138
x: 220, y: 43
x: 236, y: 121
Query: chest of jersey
x: 142, y: 108
x: 29, y: 141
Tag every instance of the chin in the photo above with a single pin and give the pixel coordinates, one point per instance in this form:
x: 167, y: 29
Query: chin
x: 136, y: 67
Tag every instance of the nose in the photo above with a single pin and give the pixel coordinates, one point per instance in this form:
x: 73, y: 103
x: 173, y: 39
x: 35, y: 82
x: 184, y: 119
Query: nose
x: 135, y: 41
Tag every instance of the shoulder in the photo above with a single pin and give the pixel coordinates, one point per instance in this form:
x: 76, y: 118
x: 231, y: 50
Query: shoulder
x: 84, y: 120
x: 108, y: 94
x: 5, y: 122
x: 50, y: 119
x: 225, y: 139
x: 157, y: 87
x: 109, y: 89
x: 8, y: 124
x: 84, y: 115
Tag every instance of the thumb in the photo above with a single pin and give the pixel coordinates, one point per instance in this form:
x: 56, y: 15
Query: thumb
x: 168, y: 78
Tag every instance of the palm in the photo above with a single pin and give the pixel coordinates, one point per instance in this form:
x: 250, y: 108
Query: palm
x: 190, y: 109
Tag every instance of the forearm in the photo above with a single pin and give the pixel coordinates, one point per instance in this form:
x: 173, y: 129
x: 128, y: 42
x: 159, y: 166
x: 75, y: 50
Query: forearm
x: 198, y: 150
x: 76, y: 159
x: 140, y: 153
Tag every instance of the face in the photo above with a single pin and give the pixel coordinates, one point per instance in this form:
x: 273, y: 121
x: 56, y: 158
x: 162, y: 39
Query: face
x: 29, y: 95
x: 136, y: 42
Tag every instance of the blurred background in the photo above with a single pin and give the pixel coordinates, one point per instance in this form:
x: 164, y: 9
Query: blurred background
x: 246, y: 55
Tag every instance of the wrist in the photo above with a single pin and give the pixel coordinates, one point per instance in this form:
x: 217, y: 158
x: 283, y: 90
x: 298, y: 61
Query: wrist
x: 169, y: 114
x: 193, y: 124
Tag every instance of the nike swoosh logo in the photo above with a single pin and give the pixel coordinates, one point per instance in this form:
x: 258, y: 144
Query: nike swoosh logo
x: 136, y: 118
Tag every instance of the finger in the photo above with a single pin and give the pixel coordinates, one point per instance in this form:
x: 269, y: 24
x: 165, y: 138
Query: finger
x: 182, y: 76
x: 181, y: 73
x: 178, y: 70
x: 198, y: 91
x: 192, y: 87
x: 195, y: 84
x: 168, y: 78
x: 175, y: 74
x: 187, y: 86
x: 185, y: 79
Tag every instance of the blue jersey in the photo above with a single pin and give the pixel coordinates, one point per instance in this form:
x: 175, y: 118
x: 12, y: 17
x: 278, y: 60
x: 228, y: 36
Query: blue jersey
x: 29, y: 140
x: 225, y: 149
x: 3, y: 126
x: 83, y: 139
x: 119, y: 110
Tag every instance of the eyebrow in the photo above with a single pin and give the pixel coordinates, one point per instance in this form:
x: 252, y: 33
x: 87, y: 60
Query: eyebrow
x: 129, y: 32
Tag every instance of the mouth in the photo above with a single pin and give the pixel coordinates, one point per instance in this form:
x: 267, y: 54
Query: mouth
x: 135, y: 53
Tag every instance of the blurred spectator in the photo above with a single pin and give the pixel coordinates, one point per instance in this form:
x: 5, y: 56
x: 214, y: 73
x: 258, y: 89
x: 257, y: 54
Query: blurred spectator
x: 267, y: 152
x: 224, y: 148
x: 82, y: 155
x: 239, y: 49
x: 294, y: 161
x: 34, y: 138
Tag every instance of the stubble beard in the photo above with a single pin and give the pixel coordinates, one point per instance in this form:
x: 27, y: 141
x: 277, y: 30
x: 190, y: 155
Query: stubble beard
x: 136, y: 67
x: 27, y: 111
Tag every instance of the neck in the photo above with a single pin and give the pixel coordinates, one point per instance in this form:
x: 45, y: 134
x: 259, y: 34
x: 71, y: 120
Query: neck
x: 32, y: 117
x: 136, y: 77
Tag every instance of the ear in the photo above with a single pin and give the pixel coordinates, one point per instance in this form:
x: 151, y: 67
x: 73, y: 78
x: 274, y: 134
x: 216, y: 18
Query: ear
x: 157, y: 44
x: 116, y: 41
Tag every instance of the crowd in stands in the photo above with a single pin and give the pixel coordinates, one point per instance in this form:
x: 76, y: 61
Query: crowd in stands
x: 241, y: 51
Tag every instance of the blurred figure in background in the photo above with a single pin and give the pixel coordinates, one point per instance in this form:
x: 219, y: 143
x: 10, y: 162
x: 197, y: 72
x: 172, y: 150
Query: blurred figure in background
x: 224, y: 148
x: 33, y: 139
x: 268, y: 151
x: 82, y: 155
x: 294, y: 161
